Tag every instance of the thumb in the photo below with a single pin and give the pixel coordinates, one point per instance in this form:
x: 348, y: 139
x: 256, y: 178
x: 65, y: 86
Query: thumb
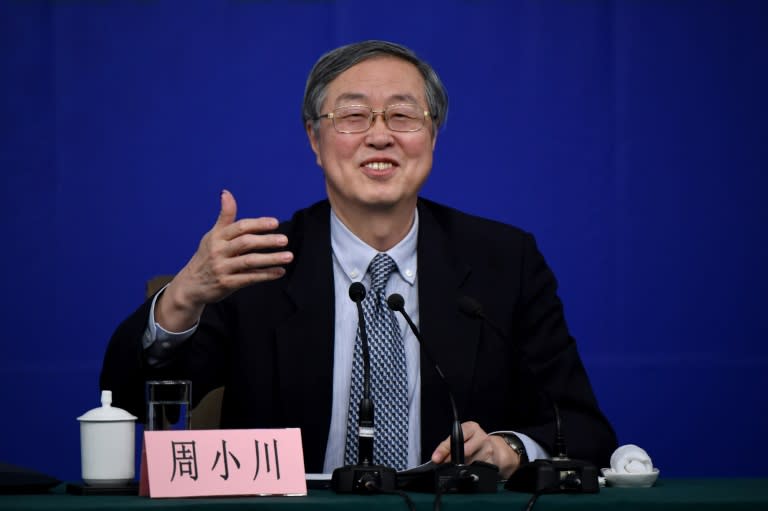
x: 228, y: 209
x: 442, y: 452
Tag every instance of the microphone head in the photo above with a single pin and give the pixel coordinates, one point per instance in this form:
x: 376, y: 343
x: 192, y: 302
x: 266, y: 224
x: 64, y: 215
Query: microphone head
x: 357, y: 292
x: 395, y: 302
x: 469, y: 305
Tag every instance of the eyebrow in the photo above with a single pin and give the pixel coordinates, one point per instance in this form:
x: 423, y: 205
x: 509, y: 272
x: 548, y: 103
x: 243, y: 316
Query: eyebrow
x: 357, y: 96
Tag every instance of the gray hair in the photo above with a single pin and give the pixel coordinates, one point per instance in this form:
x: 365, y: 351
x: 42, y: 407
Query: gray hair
x: 335, y: 62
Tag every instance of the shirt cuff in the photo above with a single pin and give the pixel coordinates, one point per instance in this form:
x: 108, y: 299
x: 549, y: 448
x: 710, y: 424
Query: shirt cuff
x: 160, y: 339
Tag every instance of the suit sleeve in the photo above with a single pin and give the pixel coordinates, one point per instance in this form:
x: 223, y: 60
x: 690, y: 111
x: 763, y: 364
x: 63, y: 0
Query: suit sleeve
x: 551, y: 355
x: 125, y: 369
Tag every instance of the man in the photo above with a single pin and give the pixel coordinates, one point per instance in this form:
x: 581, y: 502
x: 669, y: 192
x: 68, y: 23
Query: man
x: 263, y: 307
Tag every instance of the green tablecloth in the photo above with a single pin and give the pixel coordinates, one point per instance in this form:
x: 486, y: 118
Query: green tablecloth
x: 668, y: 494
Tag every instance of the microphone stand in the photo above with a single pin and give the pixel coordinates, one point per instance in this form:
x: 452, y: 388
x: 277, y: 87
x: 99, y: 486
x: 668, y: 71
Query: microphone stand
x: 365, y: 477
x: 455, y: 476
x: 560, y: 474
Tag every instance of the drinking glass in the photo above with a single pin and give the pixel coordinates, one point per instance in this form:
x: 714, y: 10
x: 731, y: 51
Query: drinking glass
x: 168, y: 403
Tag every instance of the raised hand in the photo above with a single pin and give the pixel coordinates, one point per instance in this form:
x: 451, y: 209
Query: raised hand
x: 230, y: 256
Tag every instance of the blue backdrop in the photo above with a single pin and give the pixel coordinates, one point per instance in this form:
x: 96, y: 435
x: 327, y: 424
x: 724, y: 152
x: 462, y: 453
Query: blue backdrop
x: 629, y: 137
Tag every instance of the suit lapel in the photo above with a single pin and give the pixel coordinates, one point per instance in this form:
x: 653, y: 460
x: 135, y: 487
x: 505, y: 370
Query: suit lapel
x: 451, y: 338
x: 304, y: 343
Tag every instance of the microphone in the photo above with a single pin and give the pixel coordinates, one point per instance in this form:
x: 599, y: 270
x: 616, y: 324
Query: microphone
x: 365, y: 477
x: 366, y: 427
x: 479, y: 477
x: 397, y: 304
x: 473, y: 308
x: 560, y: 474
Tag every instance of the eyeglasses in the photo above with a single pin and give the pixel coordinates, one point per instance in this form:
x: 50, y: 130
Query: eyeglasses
x: 358, y: 118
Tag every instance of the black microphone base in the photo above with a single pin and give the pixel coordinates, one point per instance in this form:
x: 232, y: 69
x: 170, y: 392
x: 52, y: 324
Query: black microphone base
x: 477, y: 477
x: 363, y: 479
x: 555, y: 476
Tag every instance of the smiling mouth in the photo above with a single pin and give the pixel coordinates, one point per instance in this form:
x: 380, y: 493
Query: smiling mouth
x: 378, y: 165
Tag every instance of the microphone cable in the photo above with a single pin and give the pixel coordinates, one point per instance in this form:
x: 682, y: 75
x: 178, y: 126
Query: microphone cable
x: 372, y: 486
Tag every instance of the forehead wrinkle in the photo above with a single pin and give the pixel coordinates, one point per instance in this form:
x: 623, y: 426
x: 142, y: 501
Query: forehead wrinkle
x: 403, y: 98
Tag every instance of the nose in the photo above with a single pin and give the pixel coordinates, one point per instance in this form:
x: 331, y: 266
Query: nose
x: 378, y: 135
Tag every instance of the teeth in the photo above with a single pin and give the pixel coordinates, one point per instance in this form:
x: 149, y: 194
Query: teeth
x: 378, y: 165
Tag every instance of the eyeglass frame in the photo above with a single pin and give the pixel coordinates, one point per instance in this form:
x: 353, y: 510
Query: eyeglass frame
x: 372, y: 116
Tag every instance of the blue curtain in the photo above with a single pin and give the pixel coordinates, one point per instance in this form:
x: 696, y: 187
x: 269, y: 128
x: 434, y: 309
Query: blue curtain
x: 629, y: 137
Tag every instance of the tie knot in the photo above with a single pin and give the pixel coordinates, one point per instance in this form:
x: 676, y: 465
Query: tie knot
x: 380, y: 269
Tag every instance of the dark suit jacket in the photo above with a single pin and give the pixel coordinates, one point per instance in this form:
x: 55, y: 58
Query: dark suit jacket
x: 271, y: 344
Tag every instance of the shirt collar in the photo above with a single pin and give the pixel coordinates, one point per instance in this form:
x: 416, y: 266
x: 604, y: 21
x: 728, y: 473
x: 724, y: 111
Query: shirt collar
x: 354, y: 255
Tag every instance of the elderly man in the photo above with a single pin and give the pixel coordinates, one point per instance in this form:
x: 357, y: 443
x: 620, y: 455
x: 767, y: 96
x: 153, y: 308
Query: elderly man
x: 263, y: 307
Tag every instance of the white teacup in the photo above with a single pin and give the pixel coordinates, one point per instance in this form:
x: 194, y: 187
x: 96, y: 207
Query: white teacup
x: 107, y: 437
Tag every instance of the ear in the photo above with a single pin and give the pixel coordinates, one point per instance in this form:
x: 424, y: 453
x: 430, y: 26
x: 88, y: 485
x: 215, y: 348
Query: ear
x: 313, y: 141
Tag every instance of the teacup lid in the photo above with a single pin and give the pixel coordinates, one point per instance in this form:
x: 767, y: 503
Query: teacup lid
x: 106, y: 412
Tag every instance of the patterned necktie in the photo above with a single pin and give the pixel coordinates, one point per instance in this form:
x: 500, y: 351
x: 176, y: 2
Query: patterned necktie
x: 389, y: 379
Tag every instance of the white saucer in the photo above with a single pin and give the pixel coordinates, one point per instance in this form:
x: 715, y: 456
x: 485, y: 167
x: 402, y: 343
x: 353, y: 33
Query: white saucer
x: 617, y: 480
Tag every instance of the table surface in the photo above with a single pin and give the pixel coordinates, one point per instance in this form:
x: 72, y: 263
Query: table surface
x: 667, y: 494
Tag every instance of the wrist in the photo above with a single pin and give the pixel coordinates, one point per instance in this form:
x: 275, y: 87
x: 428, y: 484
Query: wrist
x: 513, y: 442
x: 173, y: 312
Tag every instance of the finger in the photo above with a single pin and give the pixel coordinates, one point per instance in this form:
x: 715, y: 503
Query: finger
x: 474, y: 447
x: 474, y: 439
x: 470, y: 428
x: 221, y: 267
x: 443, y: 452
x: 227, y: 284
x: 246, y: 226
x: 243, y: 279
x: 252, y: 262
x: 259, y: 243
x: 228, y: 210
x: 469, y: 431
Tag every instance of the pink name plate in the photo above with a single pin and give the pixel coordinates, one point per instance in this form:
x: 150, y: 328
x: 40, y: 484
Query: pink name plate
x: 217, y: 462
